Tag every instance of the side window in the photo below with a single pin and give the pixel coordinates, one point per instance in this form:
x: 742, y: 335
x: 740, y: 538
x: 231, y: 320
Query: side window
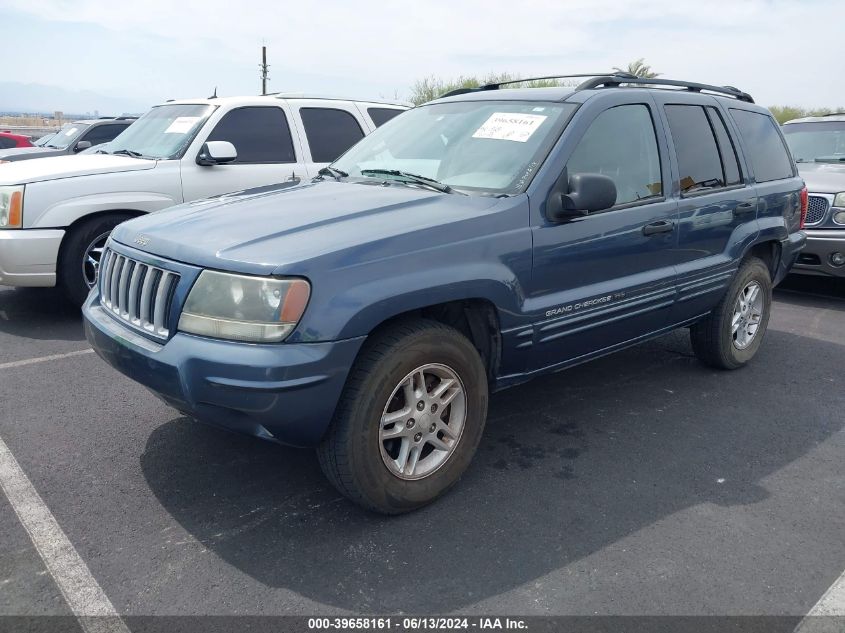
x: 621, y: 143
x: 6, y: 143
x: 380, y: 116
x: 699, y: 163
x: 103, y: 134
x: 260, y: 134
x: 766, y: 150
x: 727, y: 151
x: 330, y: 132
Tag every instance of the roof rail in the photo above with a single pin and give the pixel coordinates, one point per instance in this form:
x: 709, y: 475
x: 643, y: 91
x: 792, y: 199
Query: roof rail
x: 615, y: 80
x: 499, y: 84
x: 840, y: 113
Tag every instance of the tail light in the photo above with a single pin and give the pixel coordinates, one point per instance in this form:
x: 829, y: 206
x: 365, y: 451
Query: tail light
x: 805, y: 205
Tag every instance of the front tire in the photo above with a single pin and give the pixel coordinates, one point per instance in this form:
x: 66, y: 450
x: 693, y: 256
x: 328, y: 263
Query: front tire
x: 731, y: 335
x: 79, y: 259
x: 409, y: 420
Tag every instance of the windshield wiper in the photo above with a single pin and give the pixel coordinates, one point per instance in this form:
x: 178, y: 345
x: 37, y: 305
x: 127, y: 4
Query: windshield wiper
x: 409, y: 177
x: 128, y: 152
x: 334, y: 172
x: 829, y: 159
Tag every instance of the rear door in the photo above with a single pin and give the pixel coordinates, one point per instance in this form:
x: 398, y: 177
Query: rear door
x: 328, y: 129
x: 609, y: 277
x: 717, y: 201
x: 267, y: 153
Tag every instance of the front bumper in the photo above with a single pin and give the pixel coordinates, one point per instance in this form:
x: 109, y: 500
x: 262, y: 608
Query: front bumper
x: 28, y: 256
x: 281, y: 392
x: 815, y: 258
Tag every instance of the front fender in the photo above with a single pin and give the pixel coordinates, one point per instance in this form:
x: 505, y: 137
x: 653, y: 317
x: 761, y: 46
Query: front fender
x: 67, y: 211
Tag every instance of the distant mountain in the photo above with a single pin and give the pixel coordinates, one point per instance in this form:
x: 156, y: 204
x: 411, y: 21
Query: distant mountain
x: 26, y: 97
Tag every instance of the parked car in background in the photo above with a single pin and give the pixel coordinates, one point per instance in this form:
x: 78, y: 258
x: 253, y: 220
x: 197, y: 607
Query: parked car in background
x: 71, y: 139
x: 58, y: 212
x: 469, y: 245
x: 818, y: 146
x: 8, y: 140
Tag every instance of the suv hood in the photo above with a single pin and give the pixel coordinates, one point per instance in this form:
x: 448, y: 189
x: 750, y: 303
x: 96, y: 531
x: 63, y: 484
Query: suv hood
x: 29, y: 152
x: 261, y: 230
x: 822, y: 177
x: 53, y: 168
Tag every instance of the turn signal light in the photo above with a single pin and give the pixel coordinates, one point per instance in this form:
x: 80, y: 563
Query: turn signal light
x: 16, y: 210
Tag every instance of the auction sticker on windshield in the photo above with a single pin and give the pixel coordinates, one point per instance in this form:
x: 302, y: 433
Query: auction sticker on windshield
x: 510, y: 126
x: 182, y: 125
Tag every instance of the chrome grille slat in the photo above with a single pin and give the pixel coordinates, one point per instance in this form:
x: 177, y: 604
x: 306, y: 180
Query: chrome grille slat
x: 816, y: 210
x: 137, y: 293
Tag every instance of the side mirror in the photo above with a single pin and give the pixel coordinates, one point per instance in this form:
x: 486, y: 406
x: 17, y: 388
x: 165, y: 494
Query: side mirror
x: 81, y: 145
x: 216, y: 153
x: 585, y: 193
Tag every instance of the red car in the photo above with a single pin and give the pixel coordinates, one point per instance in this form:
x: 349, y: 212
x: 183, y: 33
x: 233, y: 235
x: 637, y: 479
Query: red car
x: 9, y: 140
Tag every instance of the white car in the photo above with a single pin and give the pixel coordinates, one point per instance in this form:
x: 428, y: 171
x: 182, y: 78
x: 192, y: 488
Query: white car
x: 56, y: 213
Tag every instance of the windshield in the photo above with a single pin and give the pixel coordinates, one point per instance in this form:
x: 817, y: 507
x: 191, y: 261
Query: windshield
x: 820, y: 141
x: 66, y: 135
x: 488, y: 147
x: 162, y: 133
x: 43, y: 140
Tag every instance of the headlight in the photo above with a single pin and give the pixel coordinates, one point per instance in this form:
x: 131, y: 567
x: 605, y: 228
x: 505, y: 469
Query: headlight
x: 243, y: 308
x: 839, y: 200
x: 11, y: 207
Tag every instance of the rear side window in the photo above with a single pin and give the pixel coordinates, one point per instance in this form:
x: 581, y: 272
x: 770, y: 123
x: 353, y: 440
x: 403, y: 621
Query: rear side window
x: 103, y: 133
x: 330, y: 132
x: 260, y: 134
x: 7, y: 143
x: 699, y: 163
x: 621, y: 143
x: 380, y: 116
x: 727, y: 151
x: 766, y: 150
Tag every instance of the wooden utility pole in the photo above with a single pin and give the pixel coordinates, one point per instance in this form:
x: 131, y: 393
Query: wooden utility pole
x: 264, y: 66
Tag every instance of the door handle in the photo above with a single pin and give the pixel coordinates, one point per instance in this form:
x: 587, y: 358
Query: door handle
x: 663, y: 226
x: 745, y: 207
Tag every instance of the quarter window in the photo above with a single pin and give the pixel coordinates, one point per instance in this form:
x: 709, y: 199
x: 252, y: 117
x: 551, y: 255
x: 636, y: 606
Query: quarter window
x: 699, y: 163
x: 260, y: 134
x: 380, y: 116
x: 621, y: 143
x: 764, y: 145
x: 727, y: 151
x: 330, y: 132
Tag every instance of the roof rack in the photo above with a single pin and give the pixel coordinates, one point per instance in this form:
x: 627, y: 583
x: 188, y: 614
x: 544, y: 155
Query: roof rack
x: 499, y: 84
x: 615, y: 80
x: 840, y: 113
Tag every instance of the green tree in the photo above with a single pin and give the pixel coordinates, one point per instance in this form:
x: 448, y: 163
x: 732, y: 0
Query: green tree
x: 432, y: 87
x: 787, y: 113
x: 638, y: 68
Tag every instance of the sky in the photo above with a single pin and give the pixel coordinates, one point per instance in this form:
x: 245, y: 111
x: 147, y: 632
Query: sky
x: 132, y: 55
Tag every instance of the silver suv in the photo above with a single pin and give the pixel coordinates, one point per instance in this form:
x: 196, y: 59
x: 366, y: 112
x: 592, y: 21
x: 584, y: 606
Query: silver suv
x: 818, y: 146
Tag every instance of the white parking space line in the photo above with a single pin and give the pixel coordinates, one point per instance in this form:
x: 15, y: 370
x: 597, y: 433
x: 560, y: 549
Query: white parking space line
x: 832, y: 603
x: 44, y: 359
x: 84, y: 596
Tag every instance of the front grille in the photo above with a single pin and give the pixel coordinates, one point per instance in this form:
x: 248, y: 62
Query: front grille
x: 817, y: 209
x: 137, y: 293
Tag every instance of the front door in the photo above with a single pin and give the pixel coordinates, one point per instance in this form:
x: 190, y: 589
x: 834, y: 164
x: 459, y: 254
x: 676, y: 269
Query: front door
x: 266, y: 150
x: 609, y: 277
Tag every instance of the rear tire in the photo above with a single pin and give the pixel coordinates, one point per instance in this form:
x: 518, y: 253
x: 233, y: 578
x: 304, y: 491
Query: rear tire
x: 394, y: 467
x: 731, y: 335
x: 79, y: 257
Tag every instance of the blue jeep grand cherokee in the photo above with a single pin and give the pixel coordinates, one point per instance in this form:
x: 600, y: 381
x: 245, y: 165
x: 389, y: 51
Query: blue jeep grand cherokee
x: 466, y: 246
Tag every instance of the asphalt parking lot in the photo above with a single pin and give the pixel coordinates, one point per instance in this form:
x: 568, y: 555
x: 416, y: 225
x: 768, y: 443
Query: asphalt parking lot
x: 642, y: 483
